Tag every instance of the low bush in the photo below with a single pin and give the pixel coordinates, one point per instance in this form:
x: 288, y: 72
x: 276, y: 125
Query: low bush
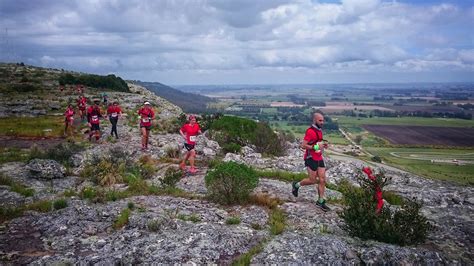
x: 154, y: 225
x: 191, y: 218
x: 109, y: 168
x: 376, y: 159
x: 62, y: 152
x: 242, y: 131
x: 233, y: 220
x: 230, y: 183
x: 231, y: 147
x: 122, y: 219
x: 405, y: 226
x: 60, y: 204
x: 277, y: 221
x: 16, y: 187
x: 173, y: 152
x: 171, y: 177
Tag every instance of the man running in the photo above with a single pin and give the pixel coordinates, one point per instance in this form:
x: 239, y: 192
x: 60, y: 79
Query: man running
x: 81, y: 105
x: 189, y: 132
x: 93, y: 115
x: 114, y: 112
x: 146, y: 114
x: 69, y: 120
x: 313, y: 160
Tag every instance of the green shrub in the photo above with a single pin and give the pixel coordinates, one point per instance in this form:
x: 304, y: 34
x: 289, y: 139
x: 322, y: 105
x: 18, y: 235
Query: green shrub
x: 106, y: 82
x: 172, y: 177
x: 191, y: 218
x: 393, y: 198
x: 154, y: 225
x: 233, y: 220
x: 405, y: 226
x: 131, y: 205
x: 277, y: 221
x: 60, y: 204
x: 230, y: 182
x: 231, y: 147
x: 122, y: 219
x: 256, y: 226
x: 109, y: 168
x: 242, y: 131
x: 173, y: 152
x: 16, y: 187
x: 376, y: 159
x: 61, y: 152
x: 146, y: 167
x: 8, y: 213
x: 40, y: 206
x: 88, y: 193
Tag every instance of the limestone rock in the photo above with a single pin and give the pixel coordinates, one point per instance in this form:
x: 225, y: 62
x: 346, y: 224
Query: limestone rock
x: 45, y: 169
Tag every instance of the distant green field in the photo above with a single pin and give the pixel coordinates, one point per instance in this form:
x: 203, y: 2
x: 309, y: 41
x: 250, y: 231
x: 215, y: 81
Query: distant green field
x: 272, y: 110
x: 418, y: 161
x: 413, y: 121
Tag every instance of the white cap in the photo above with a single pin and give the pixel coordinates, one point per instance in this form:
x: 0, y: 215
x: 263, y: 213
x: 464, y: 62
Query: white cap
x: 147, y: 102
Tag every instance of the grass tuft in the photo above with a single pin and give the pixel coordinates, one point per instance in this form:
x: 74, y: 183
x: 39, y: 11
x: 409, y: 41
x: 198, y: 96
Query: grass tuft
x: 233, y: 220
x: 122, y: 219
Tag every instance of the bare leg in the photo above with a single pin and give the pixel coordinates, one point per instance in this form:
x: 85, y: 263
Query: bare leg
x: 322, y: 182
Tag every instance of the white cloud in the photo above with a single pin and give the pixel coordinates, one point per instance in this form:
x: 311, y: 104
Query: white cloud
x: 232, y: 37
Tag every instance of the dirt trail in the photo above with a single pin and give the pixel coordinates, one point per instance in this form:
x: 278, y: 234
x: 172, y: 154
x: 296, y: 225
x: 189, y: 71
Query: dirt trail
x: 26, y: 143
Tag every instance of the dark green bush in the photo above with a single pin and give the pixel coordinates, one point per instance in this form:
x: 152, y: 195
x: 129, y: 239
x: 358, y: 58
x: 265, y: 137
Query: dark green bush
x: 105, y: 82
x: 61, y: 152
x: 60, y: 204
x: 172, y: 177
x: 231, y: 147
x: 230, y: 182
x: 376, y: 159
x: 242, y: 131
x: 405, y: 226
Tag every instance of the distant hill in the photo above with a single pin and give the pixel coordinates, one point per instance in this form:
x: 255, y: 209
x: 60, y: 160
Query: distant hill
x: 189, y: 102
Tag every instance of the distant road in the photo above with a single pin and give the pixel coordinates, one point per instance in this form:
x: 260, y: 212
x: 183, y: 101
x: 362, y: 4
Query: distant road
x: 353, y: 143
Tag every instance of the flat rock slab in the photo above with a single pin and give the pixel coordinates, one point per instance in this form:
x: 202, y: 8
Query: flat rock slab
x: 323, y: 249
x: 82, y: 233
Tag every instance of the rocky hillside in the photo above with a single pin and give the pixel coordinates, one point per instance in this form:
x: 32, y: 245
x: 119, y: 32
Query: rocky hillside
x: 53, y: 210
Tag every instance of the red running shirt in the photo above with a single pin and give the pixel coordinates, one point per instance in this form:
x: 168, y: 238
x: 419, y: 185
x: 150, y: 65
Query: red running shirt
x: 93, y: 115
x: 69, y: 114
x: 114, y: 111
x: 191, y: 132
x: 145, y: 116
x: 313, y: 135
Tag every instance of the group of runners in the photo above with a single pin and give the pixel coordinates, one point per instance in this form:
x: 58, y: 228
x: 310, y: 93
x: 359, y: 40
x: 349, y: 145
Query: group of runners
x: 146, y: 115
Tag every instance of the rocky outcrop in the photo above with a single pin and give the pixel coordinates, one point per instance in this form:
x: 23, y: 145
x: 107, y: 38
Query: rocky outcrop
x: 45, y: 169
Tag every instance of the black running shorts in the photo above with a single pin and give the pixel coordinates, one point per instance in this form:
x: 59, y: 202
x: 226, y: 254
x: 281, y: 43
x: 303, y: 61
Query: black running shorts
x: 189, y: 147
x: 314, y: 165
x: 95, y: 127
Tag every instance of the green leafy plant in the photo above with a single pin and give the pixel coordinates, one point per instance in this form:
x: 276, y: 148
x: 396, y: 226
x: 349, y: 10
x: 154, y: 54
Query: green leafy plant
x: 122, y: 219
x: 277, y: 221
x: 171, y: 177
x: 230, y: 183
x: 60, y: 204
x: 233, y: 220
x: 405, y: 226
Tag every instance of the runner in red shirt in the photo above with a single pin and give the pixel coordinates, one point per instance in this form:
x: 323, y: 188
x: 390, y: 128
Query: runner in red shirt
x: 114, y: 112
x: 81, y: 105
x: 146, y: 114
x: 69, y: 120
x: 314, y: 146
x: 189, y: 132
x: 93, y: 115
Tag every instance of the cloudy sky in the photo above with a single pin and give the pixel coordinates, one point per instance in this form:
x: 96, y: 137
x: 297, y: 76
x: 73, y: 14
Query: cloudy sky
x: 245, y: 41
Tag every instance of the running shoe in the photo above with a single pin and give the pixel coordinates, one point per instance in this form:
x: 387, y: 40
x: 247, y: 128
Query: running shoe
x: 193, y: 170
x: 323, y: 205
x: 294, y: 189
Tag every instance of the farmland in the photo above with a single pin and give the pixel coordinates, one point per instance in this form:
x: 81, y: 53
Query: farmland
x: 432, y: 163
x: 424, y: 135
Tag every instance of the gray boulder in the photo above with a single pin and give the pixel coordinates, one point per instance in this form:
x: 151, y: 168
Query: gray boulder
x: 45, y: 169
